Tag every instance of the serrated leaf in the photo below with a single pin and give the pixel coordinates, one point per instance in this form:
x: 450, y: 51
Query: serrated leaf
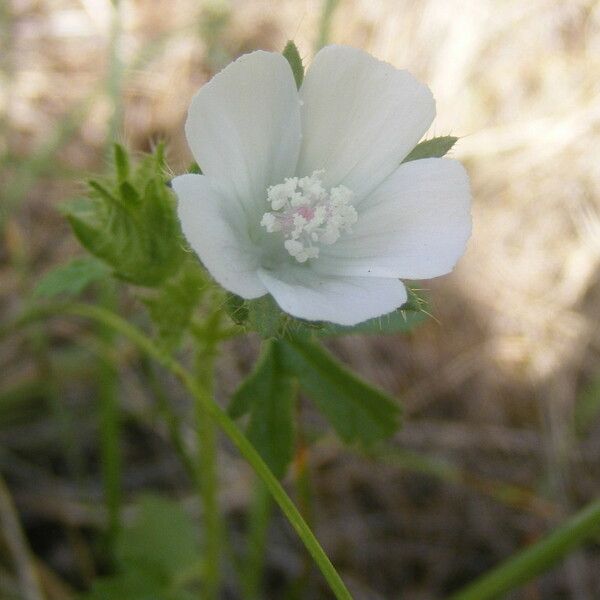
x: 268, y: 395
x: 356, y: 410
x: 291, y: 54
x: 434, y: 148
x: 162, y: 540
x: 71, y: 279
x: 172, y: 307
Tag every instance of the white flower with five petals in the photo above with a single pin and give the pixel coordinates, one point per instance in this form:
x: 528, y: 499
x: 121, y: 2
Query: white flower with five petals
x: 303, y: 195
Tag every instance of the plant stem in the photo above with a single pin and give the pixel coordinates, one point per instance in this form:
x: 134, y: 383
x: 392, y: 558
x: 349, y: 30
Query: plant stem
x: 526, y: 565
x: 110, y: 425
x: 254, y: 564
x: 327, y: 11
x: 145, y: 344
x: 114, y: 77
x: 207, y: 459
x: 170, y: 418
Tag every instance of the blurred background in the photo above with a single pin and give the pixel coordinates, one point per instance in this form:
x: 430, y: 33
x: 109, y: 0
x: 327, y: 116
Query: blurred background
x: 501, y: 390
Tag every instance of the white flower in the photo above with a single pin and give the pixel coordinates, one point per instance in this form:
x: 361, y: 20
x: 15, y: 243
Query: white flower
x: 303, y: 195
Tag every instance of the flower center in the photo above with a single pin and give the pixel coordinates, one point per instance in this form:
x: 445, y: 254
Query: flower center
x: 307, y: 215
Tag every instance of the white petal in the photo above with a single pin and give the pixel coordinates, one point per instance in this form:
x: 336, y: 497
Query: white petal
x: 360, y: 118
x: 218, y: 236
x: 305, y: 294
x: 415, y: 225
x: 243, y: 127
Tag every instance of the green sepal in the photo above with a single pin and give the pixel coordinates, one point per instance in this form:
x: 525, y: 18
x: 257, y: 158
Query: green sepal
x: 291, y: 54
x: 433, y: 148
x: 130, y: 223
x: 357, y: 411
x: 236, y: 308
x: 121, y: 163
x: 268, y: 396
x: 172, y: 306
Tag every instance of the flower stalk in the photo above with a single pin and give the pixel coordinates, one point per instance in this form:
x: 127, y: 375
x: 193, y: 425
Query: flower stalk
x: 205, y: 403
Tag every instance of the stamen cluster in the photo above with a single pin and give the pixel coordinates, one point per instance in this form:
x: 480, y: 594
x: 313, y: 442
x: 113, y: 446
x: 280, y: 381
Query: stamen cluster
x: 307, y: 215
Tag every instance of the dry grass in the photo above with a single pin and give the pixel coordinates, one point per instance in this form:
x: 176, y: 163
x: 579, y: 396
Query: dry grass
x: 495, y: 384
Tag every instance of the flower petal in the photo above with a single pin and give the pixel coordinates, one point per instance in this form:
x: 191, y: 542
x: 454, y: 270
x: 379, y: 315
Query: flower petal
x: 217, y: 234
x: 415, y: 225
x: 305, y: 294
x: 360, y: 118
x: 243, y: 127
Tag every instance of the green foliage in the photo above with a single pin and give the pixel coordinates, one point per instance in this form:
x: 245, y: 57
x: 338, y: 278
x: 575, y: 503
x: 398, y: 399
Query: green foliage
x: 357, y: 411
x: 434, y: 148
x: 155, y: 556
x: 172, y: 306
x: 290, y: 52
x: 268, y: 395
x: 71, y: 279
x: 129, y: 221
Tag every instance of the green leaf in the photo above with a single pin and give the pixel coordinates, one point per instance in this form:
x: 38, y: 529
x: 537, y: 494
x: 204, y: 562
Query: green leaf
x: 133, y: 585
x: 131, y: 224
x: 71, y: 279
x: 195, y: 168
x: 172, y: 307
x: 357, y: 411
x: 290, y: 52
x: 268, y: 395
x: 434, y: 148
x: 162, y: 540
x: 156, y: 556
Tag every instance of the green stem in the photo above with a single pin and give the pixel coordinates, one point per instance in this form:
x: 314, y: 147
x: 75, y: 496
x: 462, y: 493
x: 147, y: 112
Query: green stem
x: 115, y: 73
x: 254, y: 564
x: 110, y: 425
x: 327, y: 11
x: 170, y: 418
x: 207, y: 460
x: 526, y: 565
x: 144, y: 343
